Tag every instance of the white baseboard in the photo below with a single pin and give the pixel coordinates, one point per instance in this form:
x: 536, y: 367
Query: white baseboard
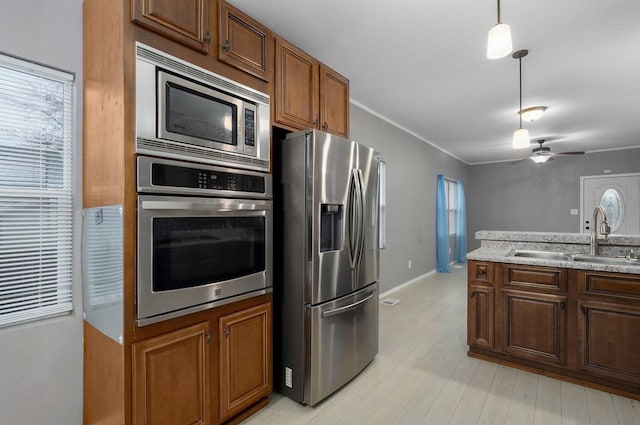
x: 404, y: 285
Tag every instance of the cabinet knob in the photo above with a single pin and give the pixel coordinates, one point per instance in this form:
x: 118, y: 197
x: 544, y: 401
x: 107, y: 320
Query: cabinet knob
x: 325, y: 126
x: 226, y: 331
x: 562, y: 305
x: 226, y: 46
x: 207, y: 38
x: 473, y: 294
x: 316, y: 123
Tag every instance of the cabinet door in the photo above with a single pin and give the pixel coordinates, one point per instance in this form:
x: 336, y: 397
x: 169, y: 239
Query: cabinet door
x: 481, y: 317
x: 184, y: 21
x: 245, y: 358
x: 296, y: 87
x: 244, y: 42
x: 608, y: 340
x: 334, y: 102
x: 171, y: 378
x: 535, y: 326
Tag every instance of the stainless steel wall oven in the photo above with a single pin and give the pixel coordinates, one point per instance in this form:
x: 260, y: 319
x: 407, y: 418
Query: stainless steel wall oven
x: 204, y: 237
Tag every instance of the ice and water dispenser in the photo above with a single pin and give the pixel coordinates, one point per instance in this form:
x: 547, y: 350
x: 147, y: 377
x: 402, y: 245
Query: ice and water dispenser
x: 331, y: 230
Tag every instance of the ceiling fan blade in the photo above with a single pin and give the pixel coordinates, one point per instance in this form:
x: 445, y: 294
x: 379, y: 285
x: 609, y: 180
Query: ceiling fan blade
x: 569, y: 153
x: 519, y: 160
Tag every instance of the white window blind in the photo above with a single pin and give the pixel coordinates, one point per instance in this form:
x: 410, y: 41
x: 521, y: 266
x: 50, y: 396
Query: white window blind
x: 36, y: 130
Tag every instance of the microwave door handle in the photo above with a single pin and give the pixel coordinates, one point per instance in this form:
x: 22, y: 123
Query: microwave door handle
x: 202, y: 206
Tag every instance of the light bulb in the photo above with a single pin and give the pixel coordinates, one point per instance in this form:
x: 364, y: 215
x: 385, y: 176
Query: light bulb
x: 521, y: 139
x: 499, y: 42
x: 540, y: 158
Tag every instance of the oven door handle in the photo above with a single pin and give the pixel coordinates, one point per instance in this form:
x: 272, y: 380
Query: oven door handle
x: 217, y: 205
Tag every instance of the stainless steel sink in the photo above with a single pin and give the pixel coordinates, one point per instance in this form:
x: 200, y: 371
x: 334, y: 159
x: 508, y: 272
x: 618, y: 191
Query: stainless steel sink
x: 546, y: 255
x: 601, y: 259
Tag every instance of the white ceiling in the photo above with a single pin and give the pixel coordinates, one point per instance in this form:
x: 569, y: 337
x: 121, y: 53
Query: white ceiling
x: 422, y: 65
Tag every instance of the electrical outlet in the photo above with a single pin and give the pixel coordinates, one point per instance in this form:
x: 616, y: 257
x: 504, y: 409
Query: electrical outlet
x: 409, y: 263
x: 288, y: 378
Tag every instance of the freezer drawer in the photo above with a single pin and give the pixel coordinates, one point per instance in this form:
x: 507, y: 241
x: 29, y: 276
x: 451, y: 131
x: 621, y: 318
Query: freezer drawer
x: 343, y: 340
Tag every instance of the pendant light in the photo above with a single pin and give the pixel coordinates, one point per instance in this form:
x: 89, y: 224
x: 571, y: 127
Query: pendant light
x: 521, y: 135
x: 499, y: 40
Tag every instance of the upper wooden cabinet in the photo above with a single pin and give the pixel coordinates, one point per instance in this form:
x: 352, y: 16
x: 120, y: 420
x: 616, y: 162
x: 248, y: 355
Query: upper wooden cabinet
x: 334, y: 102
x: 185, y: 21
x: 308, y: 94
x: 244, y: 42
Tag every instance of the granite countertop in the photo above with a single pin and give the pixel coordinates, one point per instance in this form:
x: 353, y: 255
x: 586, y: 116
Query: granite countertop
x: 499, y: 246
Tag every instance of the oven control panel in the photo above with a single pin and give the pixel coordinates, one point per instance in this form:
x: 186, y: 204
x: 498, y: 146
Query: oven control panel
x: 177, y: 177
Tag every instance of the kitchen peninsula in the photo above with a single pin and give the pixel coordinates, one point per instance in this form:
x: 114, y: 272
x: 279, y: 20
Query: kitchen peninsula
x: 540, y: 301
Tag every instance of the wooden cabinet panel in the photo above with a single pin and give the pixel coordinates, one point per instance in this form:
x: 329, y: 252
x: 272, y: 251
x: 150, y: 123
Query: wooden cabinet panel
x: 535, y: 277
x: 244, y: 42
x: 245, y: 358
x: 480, y: 317
x: 334, y: 102
x: 296, y: 87
x: 535, y: 326
x: 481, y: 272
x: 609, y: 284
x: 171, y: 378
x: 608, y: 340
x: 184, y: 21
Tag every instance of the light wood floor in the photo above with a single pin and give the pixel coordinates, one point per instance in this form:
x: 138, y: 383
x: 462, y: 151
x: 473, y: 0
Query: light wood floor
x: 422, y: 375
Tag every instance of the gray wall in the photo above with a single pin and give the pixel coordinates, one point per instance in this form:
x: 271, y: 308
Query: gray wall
x: 41, y: 362
x: 412, y: 167
x: 530, y: 197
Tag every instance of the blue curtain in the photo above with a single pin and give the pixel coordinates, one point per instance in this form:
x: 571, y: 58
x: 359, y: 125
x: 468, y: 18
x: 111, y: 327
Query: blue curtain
x: 461, y: 227
x: 442, y: 228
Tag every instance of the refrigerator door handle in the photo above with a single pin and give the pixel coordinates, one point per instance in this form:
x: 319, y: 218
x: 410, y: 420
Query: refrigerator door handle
x: 354, y: 212
x: 346, y: 308
x: 361, y: 216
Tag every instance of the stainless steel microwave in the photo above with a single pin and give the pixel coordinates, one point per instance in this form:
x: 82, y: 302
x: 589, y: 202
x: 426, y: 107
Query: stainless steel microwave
x: 187, y: 112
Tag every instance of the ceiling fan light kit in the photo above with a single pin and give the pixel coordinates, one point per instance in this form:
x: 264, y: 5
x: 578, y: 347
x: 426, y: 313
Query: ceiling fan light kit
x: 499, y: 40
x: 532, y: 113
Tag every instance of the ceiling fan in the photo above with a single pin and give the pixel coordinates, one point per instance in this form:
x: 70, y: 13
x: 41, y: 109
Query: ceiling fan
x: 542, y: 154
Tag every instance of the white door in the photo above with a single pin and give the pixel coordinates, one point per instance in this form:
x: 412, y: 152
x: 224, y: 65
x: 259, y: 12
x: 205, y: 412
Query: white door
x: 619, y: 195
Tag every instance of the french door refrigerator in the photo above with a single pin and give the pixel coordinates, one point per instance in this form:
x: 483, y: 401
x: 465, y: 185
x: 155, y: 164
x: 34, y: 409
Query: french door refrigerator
x: 326, y: 290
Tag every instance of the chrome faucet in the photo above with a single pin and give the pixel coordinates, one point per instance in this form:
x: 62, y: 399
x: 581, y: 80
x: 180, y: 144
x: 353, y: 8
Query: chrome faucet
x: 604, y: 229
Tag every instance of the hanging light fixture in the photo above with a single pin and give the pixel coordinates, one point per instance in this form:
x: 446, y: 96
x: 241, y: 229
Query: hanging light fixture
x: 499, y: 40
x: 521, y: 135
x: 532, y: 113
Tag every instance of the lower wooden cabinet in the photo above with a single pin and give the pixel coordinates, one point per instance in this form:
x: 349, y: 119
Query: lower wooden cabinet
x: 609, y: 340
x: 211, y: 372
x: 579, y: 324
x: 245, y: 359
x: 481, y: 316
x: 535, y: 326
x: 171, y: 382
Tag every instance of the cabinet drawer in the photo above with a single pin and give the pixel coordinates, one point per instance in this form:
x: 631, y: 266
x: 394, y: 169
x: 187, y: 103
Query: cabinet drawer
x: 481, y: 272
x: 613, y: 285
x: 533, y: 277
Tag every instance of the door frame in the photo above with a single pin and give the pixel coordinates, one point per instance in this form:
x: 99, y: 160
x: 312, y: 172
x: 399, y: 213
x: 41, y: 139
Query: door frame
x: 583, y: 178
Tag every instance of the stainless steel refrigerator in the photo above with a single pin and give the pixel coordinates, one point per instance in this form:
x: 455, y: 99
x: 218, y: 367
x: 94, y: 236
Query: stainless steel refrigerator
x: 326, y: 285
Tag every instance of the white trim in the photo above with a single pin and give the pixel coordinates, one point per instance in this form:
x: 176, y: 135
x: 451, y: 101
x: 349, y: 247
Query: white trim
x: 408, y: 283
x: 406, y: 130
